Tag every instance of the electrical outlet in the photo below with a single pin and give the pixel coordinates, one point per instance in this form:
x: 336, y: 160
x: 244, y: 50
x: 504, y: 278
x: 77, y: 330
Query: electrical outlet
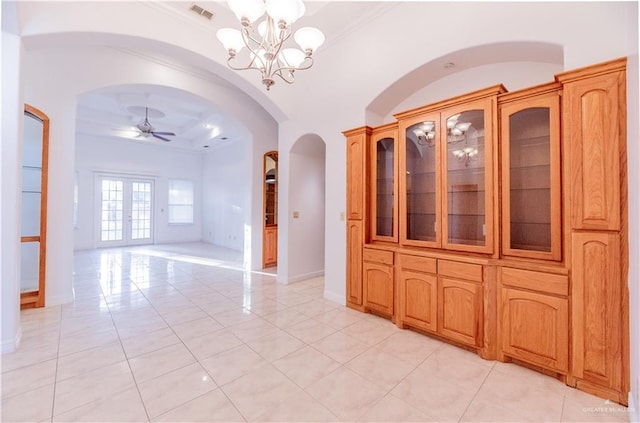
x: 296, y: 214
x: 342, y: 216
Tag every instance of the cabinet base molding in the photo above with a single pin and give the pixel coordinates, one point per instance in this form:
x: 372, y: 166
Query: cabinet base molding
x: 601, y: 392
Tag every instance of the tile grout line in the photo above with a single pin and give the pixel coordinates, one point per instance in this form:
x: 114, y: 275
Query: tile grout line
x: 477, y: 392
x: 55, y: 377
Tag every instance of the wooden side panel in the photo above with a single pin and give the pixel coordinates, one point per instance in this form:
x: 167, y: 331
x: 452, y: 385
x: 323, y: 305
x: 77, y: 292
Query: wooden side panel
x: 597, y: 308
x: 592, y: 125
x: 378, y: 288
x: 356, y: 169
x: 419, y: 299
x: 536, y: 328
x: 354, y: 262
x: 270, y: 246
x: 460, y: 312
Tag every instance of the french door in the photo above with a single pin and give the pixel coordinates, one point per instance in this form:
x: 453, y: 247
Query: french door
x: 125, y: 211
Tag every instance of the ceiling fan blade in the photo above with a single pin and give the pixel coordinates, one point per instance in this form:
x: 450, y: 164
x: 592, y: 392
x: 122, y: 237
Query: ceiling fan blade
x: 155, y: 134
x: 163, y: 133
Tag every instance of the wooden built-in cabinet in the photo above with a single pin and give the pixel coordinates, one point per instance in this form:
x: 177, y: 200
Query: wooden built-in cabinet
x: 446, y: 173
x: 378, y: 281
x: 498, y: 222
x: 383, y: 168
x: 531, y: 173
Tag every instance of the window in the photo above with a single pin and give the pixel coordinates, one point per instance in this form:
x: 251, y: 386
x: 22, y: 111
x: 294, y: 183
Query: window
x: 180, y: 201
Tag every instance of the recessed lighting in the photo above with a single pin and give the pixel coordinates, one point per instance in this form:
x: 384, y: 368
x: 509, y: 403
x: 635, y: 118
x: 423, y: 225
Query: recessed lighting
x: 449, y: 65
x: 224, y: 138
x: 206, y: 146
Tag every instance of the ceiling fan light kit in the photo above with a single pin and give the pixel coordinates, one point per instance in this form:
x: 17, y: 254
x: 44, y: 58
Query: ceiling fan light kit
x: 266, y: 41
x: 146, y: 129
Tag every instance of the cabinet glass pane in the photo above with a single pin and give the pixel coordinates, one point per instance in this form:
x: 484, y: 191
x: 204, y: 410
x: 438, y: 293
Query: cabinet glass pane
x: 421, y: 181
x: 530, y: 179
x: 384, y: 187
x: 465, y: 178
x: 32, y: 141
x: 29, y: 266
x: 30, y: 214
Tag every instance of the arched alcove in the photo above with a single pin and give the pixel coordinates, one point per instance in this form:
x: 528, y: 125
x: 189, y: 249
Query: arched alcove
x: 516, y: 64
x: 306, y: 232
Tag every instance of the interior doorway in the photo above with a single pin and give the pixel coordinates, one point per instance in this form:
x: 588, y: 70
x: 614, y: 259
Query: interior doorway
x: 124, y: 212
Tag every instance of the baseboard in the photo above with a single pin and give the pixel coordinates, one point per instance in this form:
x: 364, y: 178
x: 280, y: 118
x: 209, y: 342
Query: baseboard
x: 10, y: 345
x: 634, y: 411
x: 336, y: 298
x: 55, y: 300
x: 305, y: 276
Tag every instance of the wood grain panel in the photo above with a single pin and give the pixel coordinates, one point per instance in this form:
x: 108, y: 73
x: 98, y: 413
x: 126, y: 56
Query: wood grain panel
x: 354, y: 262
x: 419, y: 298
x: 596, y: 310
x: 356, y: 171
x: 378, y: 288
x: 537, y: 281
x: 420, y: 264
x: 378, y: 256
x: 460, y: 312
x: 592, y: 116
x: 457, y: 269
x: 270, y: 252
x: 536, y: 328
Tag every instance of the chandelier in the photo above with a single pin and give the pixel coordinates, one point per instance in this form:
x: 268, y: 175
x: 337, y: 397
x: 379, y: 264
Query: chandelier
x: 265, y: 41
x: 456, y: 131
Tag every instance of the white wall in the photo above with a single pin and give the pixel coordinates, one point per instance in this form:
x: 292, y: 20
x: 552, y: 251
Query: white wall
x: 10, y: 177
x: 225, y: 186
x: 160, y: 164
x: 306, y: 233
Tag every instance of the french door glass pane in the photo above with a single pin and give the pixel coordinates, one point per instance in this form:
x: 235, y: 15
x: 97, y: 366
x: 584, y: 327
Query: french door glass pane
x: 112, y: 210
x: 421, y: 181
x: 140, y: 210
x: 530, y: 179
x: 465, y: 178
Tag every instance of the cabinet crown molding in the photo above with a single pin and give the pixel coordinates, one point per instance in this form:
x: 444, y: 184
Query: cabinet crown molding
x: 593, y: 70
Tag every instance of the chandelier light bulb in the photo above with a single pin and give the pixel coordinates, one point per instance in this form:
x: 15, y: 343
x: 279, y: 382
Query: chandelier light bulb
x: 247, y: 10
x: 463, y: 126
x: 427, y: 126
x: 231, y: 39
x: 293, y: 57
x: 309, y: 39
x: 287, y: 11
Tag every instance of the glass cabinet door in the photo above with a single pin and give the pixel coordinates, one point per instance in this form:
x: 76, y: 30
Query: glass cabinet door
x: 467, y: 186
x: 383, y: 187
x: 419, y: 181
x: 531, y: 178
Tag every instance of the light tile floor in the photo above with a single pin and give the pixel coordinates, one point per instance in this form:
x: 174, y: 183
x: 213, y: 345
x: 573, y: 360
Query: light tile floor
x: 180, y: 333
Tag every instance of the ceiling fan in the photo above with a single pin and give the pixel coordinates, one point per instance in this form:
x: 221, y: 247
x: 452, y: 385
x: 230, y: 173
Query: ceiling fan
x: 146, y: 129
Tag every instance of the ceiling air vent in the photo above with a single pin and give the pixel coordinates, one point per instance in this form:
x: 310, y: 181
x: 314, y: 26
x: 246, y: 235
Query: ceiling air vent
x: 201, y: 11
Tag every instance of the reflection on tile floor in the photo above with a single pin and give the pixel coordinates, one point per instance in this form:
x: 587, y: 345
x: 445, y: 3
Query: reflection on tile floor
x: 181, y: 333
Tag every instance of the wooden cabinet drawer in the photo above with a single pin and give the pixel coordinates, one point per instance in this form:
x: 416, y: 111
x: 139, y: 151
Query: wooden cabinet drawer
x: 536, y: 281
x: 456, y: 269
x: 419, y: 264
x: 378, y: 256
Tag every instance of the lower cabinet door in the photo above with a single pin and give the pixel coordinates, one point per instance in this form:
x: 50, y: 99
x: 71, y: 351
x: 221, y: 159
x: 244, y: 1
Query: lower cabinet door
x: 535, y: 328
x: 419, y: 299
x: 460, y: 313
x: 378, y: 287
x: 270, y: 253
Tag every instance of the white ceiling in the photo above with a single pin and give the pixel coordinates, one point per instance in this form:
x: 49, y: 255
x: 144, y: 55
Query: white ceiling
x: 196, y: 122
